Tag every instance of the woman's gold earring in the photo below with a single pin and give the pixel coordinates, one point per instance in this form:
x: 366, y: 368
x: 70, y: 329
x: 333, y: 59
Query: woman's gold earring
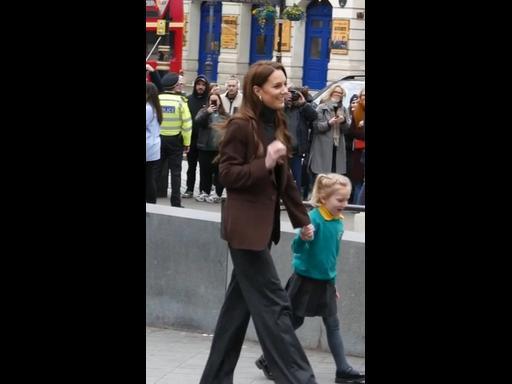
x: 260, y: 98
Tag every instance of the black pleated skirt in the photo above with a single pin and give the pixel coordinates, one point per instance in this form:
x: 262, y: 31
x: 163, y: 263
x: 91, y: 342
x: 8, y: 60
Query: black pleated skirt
x: 310, y: 297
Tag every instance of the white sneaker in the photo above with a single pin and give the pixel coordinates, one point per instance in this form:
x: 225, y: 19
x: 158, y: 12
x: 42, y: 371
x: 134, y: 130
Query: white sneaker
x: 201, y: 197
x: 213, y: 198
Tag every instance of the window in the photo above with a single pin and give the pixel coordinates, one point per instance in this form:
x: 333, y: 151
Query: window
x: 316, y: 48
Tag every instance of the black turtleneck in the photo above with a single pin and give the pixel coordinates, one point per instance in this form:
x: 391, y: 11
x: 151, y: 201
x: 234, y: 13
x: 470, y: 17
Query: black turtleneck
x: 268, y: 118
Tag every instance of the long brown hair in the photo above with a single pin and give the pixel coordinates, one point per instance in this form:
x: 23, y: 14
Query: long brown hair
x: 252, y: 106
x: 152, y: 98
x: 359, y: 110
x: 220, y: 106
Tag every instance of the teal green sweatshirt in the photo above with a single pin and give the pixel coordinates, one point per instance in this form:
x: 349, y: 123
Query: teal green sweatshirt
x: 317, y: 258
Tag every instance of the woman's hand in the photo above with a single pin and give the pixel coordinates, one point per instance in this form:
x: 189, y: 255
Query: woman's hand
x: 275, y: 150
x: 336, y: 119
x: 212, y: 108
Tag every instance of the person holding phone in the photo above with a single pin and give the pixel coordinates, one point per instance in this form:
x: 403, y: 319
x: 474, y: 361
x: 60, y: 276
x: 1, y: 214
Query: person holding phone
x: 208, y: 148
x: 357, y: 131
x: 328, y: 152
x: 300, y: 116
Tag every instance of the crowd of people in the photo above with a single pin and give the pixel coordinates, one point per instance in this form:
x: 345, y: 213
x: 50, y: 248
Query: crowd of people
x: 329, y: 137
x: 265, y: 145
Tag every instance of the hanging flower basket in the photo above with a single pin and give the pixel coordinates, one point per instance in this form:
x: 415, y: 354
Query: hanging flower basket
x: 293, y: 13
x: 264, y: 14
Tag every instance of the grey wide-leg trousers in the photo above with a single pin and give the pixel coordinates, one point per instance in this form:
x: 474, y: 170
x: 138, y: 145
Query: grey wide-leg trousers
x: 256, y: 291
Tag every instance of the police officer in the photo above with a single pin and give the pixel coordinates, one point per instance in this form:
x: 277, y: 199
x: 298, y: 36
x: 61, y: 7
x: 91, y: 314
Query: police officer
x: 175, y: 134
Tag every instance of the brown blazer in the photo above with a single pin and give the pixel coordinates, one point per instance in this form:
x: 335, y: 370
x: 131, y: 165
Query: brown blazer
x: 251, y: 212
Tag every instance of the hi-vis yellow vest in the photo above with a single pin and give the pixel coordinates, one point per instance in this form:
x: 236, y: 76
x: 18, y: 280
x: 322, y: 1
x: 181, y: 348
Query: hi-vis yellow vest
x: 176, y: 117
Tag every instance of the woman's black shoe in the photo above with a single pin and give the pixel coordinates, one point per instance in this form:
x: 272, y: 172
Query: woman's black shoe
x: 261, y: 363
x: 350, y: 376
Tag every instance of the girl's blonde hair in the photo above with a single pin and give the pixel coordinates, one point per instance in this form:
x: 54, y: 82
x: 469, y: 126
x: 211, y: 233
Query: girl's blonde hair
x: 326, y: 185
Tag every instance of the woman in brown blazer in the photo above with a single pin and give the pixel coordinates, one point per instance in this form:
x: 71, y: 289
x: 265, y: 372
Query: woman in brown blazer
x: 254, y: 169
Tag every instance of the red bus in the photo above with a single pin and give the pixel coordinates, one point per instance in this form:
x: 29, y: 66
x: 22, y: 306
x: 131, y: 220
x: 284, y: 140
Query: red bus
x: 165, y: 52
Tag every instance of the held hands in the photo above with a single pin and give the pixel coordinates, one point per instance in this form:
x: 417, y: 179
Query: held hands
x: 149, y: 68
x: 276, y: 150
x: 307, y: 232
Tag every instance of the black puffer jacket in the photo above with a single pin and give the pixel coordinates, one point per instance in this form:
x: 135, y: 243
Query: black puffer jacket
x: 300, y: 118
x: 208, y: 136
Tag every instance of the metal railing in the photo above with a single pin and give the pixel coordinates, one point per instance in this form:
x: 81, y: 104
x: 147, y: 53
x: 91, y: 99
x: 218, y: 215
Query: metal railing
x: 349, y: 207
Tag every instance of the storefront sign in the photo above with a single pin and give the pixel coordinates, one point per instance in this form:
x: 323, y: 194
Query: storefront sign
x: 229, y: 32
x: 286, y: 36
x: 185, y: 30
x: 339, y: 37
x: 160, y: 27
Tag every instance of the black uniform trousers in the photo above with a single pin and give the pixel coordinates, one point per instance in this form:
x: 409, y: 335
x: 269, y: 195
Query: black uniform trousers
x: 171, y: 152
x: 192, y: 158
x: 256, y: 291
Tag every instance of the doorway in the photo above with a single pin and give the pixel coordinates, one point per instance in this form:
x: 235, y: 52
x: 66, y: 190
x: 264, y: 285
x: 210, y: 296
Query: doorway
x: 316, y: 47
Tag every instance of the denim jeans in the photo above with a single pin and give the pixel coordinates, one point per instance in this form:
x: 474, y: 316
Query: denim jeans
x: 356, y: 190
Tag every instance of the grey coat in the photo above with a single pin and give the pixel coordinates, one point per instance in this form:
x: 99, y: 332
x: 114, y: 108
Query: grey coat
x: 322, y: 142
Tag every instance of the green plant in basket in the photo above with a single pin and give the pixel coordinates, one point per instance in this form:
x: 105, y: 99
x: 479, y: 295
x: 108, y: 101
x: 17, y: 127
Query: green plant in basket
x: 264, y: 14
x: 294, y: 13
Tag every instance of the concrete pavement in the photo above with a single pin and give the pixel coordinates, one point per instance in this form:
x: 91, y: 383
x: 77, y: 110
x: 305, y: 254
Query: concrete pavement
x: 179, y: 357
